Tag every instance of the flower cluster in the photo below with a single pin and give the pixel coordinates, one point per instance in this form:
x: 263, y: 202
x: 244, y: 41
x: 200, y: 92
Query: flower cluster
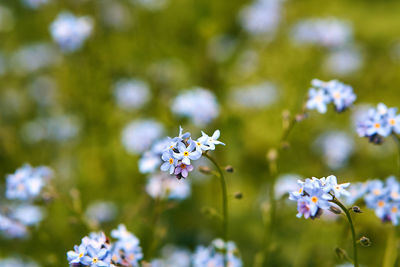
x: 96, y: 250
x: 24, y: 186
x: 382, y: 197
x: 379, y: 123
x: 323, y: 93
x: 70, y: 32
x: 316, y: 195
x: 214, y: 255
x: 197, y: 104
x: 172, y: 256
x: 182, y: 150
x: 27, y: 182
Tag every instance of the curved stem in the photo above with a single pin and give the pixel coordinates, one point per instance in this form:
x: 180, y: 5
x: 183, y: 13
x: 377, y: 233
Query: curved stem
x: 353, y: 232
x: 224, y: 203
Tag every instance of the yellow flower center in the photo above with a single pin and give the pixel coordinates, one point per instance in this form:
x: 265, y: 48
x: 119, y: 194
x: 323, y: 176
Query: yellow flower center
x: 198, y: 143
x: 80, y: 255
x: 394, y: 195
x: 377, y: 125
x: 21, y: 187
x: 171, y: 161
x: 318, y: 98
x: 394, y: 209
x: 171, y: 147
x: 336, y: 95
x: 392, y: 122
x: 314, y: 199
x: 183, y: 166
x: 381, y: 203
x: 186, y: 153
x: 300, y: 190
x: 95, y: 260
x: 376, y: 192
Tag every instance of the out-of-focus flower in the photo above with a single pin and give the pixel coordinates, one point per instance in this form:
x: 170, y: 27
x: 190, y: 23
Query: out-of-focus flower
x: 11, y: 229
x: 101, y: 211
x: 335, y: 147
x: 17, y: 262
x: 34, y: 57
x: 382, y: 197
x: 197, y: 104
x: 256, y: 96
x: 126, y: 250
x: 114, y: 14
x: 315, y: 195
x: 70, y: 32
x: 27, y: 182
x: 323, y: 93
x: 58, y: 128
x: 344, y: 61
x: 172, y: 256
x: 379, y: 123
x: 131, y: 94
x: 139, y: 135
x: 261, y: 17
x: 167, y: 187
x: 34, y: 4
x: 327, y: 32
x: 28, y: 215
x: 214, y: 255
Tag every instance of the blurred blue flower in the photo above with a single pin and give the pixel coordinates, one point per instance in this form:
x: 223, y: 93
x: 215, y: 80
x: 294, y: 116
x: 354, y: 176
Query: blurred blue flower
x: 28, y: 215
x: 139, y: 135
x: 126, y: 250
x: 255, y: 96
x: 27, y: 182
x: 17, y: 262
x: 318, y: 99
x: 197, y: 104
x: 163, y: 186
x: 70, y: 31
x: 101, y: 211
x: 131, y: 94
x: 214, y: 255
x: 327, y: 32
x: 34, y: 4
x: 172, y: 257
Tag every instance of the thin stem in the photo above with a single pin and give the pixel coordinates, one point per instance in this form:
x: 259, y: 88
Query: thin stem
x: 353, y: 232
x: 397, y: 140
x: 224, y: 204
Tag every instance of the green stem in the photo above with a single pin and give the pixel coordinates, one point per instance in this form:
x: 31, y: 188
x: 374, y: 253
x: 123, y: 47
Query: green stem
x: 397, y: 140
x: 224, y: 203
x: 353, y: 232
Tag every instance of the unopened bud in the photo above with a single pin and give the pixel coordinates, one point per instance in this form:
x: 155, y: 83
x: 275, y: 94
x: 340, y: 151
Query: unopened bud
x: 356, y: 209
x: 272, y: 155
x: 205, y: 170
x: 335, y: 210
x: 238, y: 195
x: 285, y: 145
x: 300, y: 117
x: 365, y: 242
x: 229, y: 168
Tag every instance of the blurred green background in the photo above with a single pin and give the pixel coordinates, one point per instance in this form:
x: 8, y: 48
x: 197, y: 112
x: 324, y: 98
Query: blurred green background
x: 169, y: 49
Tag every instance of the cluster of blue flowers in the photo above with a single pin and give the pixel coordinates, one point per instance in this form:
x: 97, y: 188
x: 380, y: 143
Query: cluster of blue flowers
x: 315, y: 195
x: 322, y: 93
x: 96, y: 250
x: 181, y: 150
x: 382, y: 197
x: 378, y: 123
x: 70, y: 32
x: 23, y: 187
x: 214, y: 255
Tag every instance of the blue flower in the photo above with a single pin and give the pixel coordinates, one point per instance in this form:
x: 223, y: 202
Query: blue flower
x: 126, y: 251
x: 96, y: 257
x: 317, y: 99
x: 76, y: 255
x: 170, y: 162
x: 187, y: 153
x: 341, y: 94
x: 70, y: 32
x: 209, y: 142
x: 338, y: 189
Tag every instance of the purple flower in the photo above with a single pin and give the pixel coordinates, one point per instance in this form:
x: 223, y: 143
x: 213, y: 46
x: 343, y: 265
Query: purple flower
x: 183, y: 170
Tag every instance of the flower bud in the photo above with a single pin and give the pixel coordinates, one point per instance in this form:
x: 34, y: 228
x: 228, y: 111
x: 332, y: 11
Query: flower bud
x: 335, y: 210
x: 356, y: 209
x: 341, y: 253
x: 238, y: 195
x: 205, y: 170
x: 272, y: 155
x: 229, y: 168
x: 365, y: 242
